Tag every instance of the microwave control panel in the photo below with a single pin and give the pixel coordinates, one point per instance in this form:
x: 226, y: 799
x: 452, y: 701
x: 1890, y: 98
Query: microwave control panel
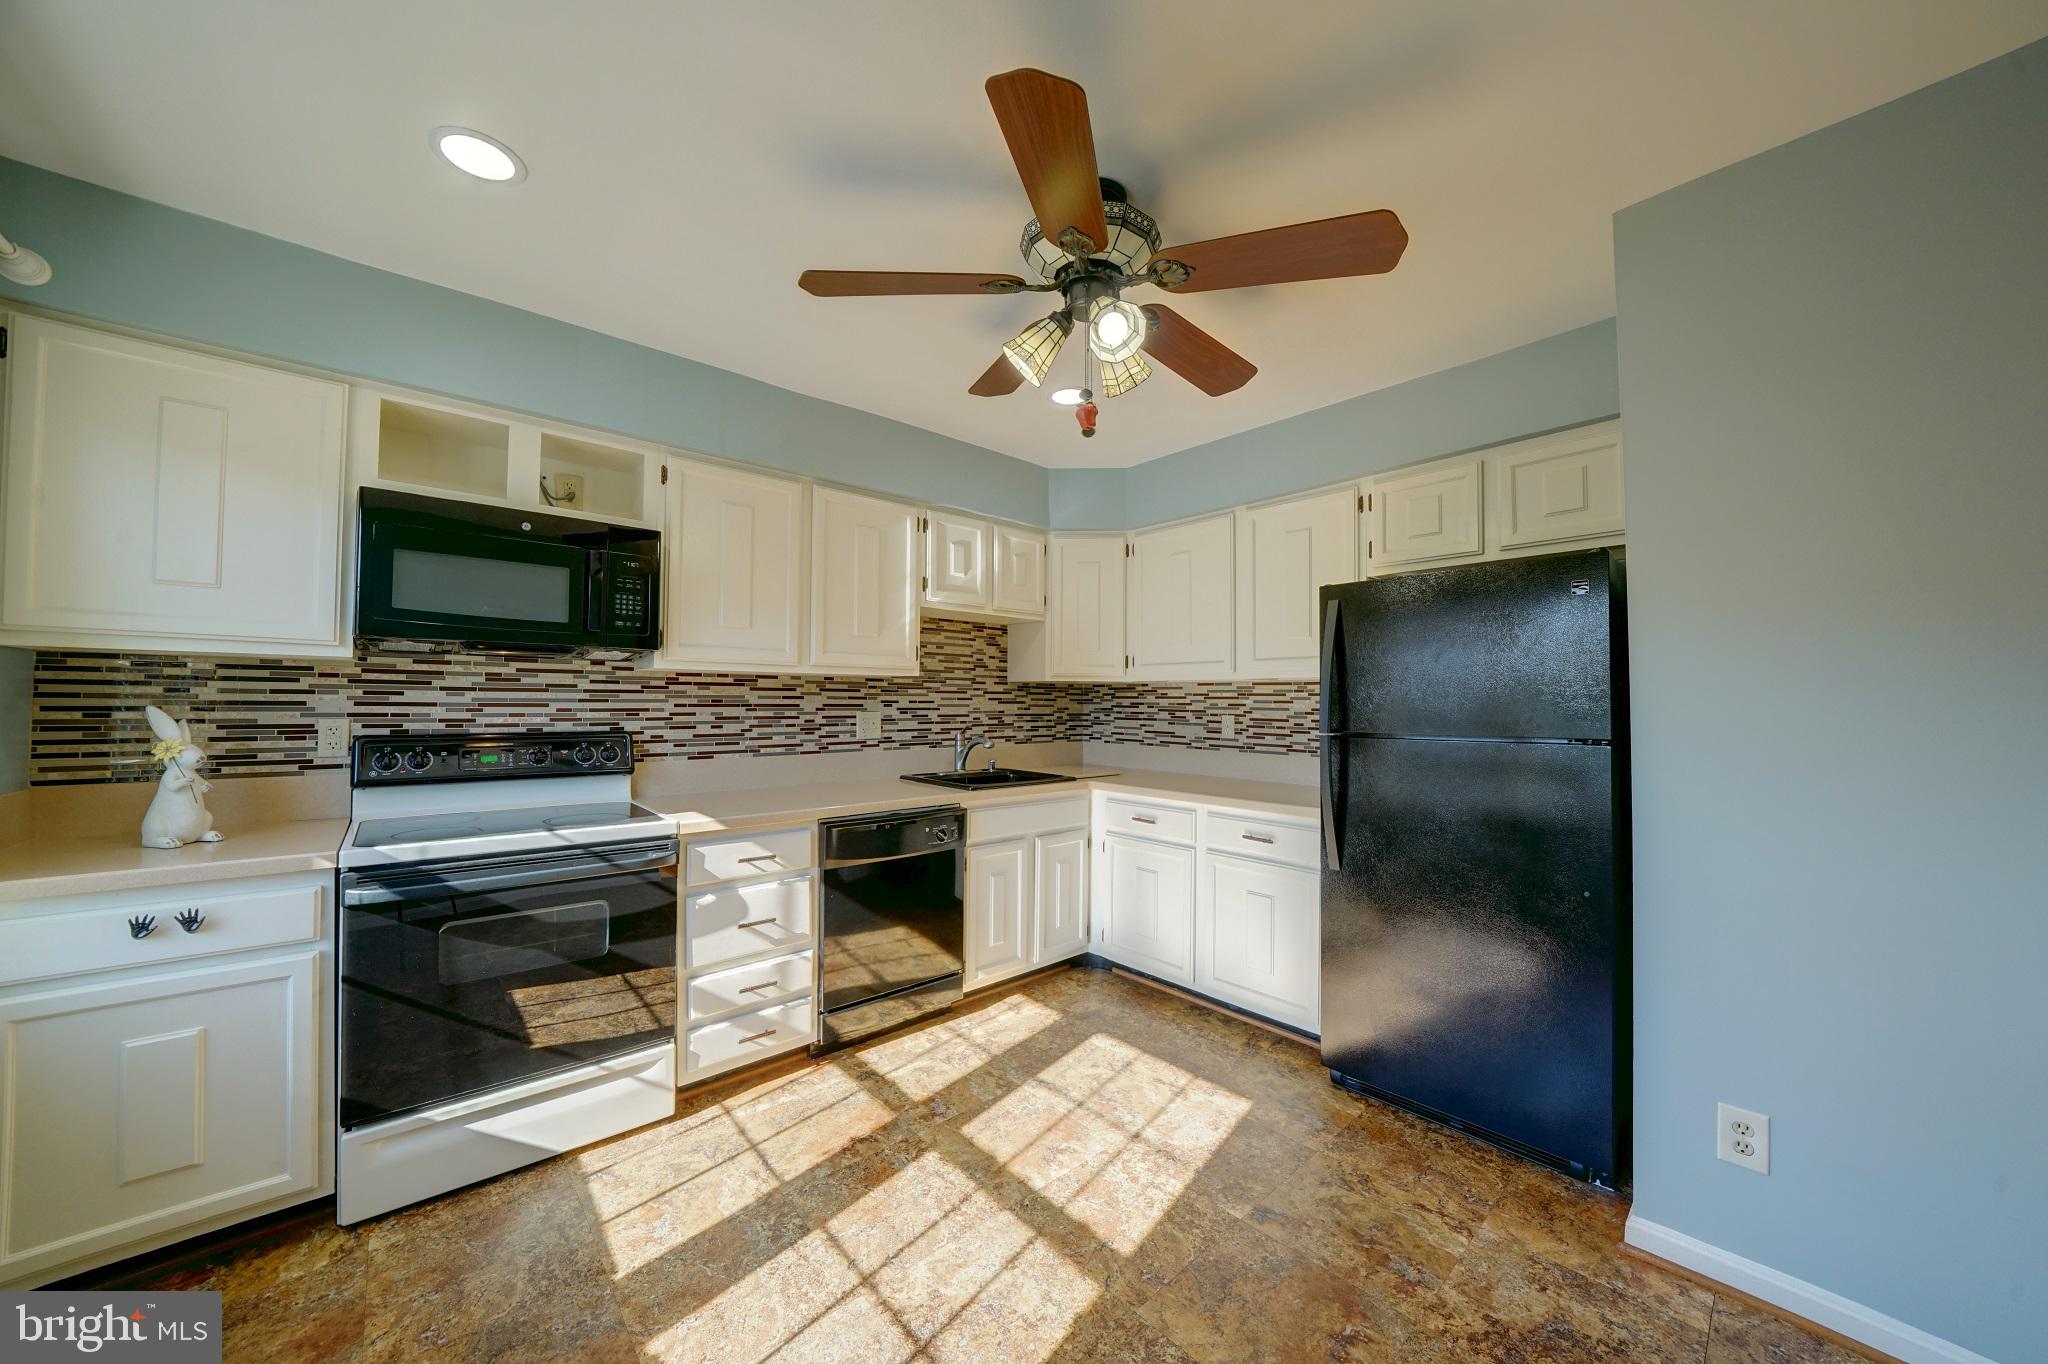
x: 398, y: 759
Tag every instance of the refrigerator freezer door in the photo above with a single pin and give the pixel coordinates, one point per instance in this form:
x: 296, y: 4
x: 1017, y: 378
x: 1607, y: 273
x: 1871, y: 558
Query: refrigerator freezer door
x: 1519, y: 649
x: 1472, y: 940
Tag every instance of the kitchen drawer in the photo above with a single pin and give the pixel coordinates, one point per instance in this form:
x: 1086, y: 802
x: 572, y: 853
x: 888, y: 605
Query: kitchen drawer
x: 749, y: 1037
x: 1174, y: 823
x: 1295, y: 844
x: 1037, y: 817
x: 727, y: 923
x: 752, y: 987
x: 736, y: 859
x: 97, y: 937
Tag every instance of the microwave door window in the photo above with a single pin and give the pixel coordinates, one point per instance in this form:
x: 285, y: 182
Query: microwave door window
x: 430, y: 584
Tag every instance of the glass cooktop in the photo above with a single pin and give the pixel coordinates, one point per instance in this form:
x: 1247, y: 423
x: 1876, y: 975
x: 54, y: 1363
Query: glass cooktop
x: 460, y: 825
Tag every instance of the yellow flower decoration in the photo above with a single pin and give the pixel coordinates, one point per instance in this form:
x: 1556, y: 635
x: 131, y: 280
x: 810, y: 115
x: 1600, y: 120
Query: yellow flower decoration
x: 163, y: 750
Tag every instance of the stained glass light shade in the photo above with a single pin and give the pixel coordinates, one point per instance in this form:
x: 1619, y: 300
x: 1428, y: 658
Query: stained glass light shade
x: 1121, y: 376
x: 1133, y: 240
x: 1032, y: 349
x: 1115, y: 329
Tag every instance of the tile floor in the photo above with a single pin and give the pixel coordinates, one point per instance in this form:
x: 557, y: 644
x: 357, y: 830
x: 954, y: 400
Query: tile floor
x: 1084, y: 1168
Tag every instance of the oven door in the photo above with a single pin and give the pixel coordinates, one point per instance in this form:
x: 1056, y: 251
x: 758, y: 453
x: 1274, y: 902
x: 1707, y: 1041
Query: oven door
x: 466, y: 977
x: 476, y: 585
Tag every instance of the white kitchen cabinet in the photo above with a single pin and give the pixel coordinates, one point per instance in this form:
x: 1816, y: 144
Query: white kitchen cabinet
x: 733, y: 576
x: 1059, y: 875
x: 1180, y: 590
x: 863, y: 584
x: 154, y: 1102
x: 748, y: 937
x: 1019, y: 558
x: 1258, y: 938
x: 1558, y: 489
x: 998, y: 911
x: 1429, y: 514
x: 1084, y: 626
x: 1286, y: 552
x: 1150, y: 918
x: 163, y: 499
x: 958, y: 570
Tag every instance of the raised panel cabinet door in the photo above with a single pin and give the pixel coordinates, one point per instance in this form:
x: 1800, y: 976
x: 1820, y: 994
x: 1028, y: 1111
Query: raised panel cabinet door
x: 1180, y: 594
x: 1060, y: 895
x: 998, y: 918
x: 1258, y: 938
x: 863, y: 583
x: 1087, y: 619
x: 1559, y: 488
x: 1020, y: 573
x: 1427, y: 514
x: 1285, y: 554
x: 1151, y: 907
x: 157, y: 492
x: 141, y: 1107
x: 956, y: 560
x: 734, y: 578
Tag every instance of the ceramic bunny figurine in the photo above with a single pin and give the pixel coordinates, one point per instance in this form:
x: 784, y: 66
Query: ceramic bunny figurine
x: 178, y: 815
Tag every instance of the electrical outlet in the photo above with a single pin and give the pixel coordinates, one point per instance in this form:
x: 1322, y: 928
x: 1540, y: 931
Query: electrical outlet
x: 1230, y: 726
x: 868, y: 724
x: 333, y: 732
x: 1743, y: 1138
x: 564, y: 490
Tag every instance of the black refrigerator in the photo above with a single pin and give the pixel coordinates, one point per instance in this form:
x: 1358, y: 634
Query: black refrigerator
x: 1475, y: 896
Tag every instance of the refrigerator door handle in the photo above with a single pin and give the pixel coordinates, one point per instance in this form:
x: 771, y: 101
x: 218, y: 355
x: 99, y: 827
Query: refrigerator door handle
x: 1332, y: 839
x: 1333, y: 680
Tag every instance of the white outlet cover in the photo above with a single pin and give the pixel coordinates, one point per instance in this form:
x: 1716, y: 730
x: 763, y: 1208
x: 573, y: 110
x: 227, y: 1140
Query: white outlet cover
x: 1743, y: 1137
x: 333, y: 736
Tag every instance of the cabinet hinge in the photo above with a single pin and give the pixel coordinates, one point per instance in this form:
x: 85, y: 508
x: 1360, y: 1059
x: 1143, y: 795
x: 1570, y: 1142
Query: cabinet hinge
x: 664, y: 473
x: 924, y: 584
x: 1368, y: 549
x: 3, y: 343
x: 924, y: 523
x: 1361, y: 501
x: 1127, y: 549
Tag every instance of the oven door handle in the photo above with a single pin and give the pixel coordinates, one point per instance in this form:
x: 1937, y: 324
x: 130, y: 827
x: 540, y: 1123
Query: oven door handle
x: 399, y: 889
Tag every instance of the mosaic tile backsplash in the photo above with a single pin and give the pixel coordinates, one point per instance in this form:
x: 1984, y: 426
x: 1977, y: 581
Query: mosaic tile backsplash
x: 257, y: 716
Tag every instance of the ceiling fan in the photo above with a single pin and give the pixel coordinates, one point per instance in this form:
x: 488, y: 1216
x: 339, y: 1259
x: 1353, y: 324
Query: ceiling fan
x: 1089, y: 243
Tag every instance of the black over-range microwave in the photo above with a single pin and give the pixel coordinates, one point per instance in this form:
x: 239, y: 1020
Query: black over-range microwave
x: 427, y: 568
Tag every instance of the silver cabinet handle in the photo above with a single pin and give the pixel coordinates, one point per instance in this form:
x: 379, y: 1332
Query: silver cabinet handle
x: 142, y: 925
x: 764, y: 985
x: 1256, y: 838
x: 762, y: 857
x: 1143, y: 819
x: 756, y: 1037
x: 757, y: 923
x: 190, y: 920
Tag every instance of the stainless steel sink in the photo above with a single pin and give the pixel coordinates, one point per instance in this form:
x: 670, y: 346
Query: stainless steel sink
x: 985, y: 777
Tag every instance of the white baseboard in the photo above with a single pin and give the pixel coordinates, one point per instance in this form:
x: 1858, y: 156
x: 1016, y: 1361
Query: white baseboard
x: 1816, y: 1304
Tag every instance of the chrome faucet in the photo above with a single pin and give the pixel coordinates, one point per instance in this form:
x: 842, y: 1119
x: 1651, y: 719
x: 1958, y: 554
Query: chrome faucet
x: 964, y: 744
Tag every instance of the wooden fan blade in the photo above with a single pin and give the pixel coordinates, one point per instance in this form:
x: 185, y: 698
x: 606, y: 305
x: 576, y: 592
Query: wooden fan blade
x: 1044, y: 118
x: 1359, y: 244
x: 1193, y: 354
x: 860, y: 283
x: 998, y: 379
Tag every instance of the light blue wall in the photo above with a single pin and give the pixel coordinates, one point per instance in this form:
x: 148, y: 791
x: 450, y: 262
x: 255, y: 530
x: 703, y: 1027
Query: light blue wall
x: 139, y: 264
x: 16, y: 665
x: 1560, y: 381
x: 1834, y: 387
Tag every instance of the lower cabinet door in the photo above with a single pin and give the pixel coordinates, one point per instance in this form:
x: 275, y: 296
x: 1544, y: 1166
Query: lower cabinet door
x: 1258, y: 938
x: 998, y: 895
x: 1060, y: 893
x: 140, y: 1107
x: 1151, y: 908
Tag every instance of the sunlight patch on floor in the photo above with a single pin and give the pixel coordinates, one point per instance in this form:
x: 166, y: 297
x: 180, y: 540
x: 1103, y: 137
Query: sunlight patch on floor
x: 924, y: 1062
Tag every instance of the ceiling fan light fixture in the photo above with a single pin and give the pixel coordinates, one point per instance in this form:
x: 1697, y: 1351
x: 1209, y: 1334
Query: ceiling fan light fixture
x: 1133, y: 239
x: 1032, y: 350
x: 1115, y: 329
x: 1122, y: 376
x: 478, y: 154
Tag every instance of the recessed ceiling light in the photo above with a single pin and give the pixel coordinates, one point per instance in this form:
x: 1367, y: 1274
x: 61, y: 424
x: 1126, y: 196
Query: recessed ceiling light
x: 478, y: 154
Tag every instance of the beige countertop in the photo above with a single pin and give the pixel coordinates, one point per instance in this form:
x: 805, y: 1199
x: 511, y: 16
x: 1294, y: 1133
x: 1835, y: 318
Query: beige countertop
x: 82, y: 864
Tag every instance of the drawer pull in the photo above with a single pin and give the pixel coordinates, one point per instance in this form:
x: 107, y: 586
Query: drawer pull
x: 1143, y: 819
x: 1256, y: 838
x: 190, y: 920
x: 756, y: 923
x: 759, y: 1036
x: 761, y: 857
x: 764, y: 985
x: 142, y: 925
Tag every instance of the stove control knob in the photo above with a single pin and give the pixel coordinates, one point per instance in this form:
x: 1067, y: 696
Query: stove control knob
x: 419, y: 760
x: 384, y: 760
x: 609, y: 754
x: 536, y: 757
x: 584, y: 755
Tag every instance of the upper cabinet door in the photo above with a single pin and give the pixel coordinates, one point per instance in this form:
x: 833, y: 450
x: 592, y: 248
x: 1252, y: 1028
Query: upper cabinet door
x: 735, y: 554
x: 1285, y: 553
x: 956, y: 561
x: 1087, y: 618
x: 1020, y: 573
x: 1427, y: 514
x: 156, y: 493
x: 1180, y: 593
x: 863, y: 583
x: 1560, y: 488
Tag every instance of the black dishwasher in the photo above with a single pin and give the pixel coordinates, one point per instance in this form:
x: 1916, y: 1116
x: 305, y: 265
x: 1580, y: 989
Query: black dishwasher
x: 894, y: 922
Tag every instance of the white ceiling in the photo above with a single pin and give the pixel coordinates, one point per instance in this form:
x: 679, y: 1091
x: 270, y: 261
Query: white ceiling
x: 688, y: 160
